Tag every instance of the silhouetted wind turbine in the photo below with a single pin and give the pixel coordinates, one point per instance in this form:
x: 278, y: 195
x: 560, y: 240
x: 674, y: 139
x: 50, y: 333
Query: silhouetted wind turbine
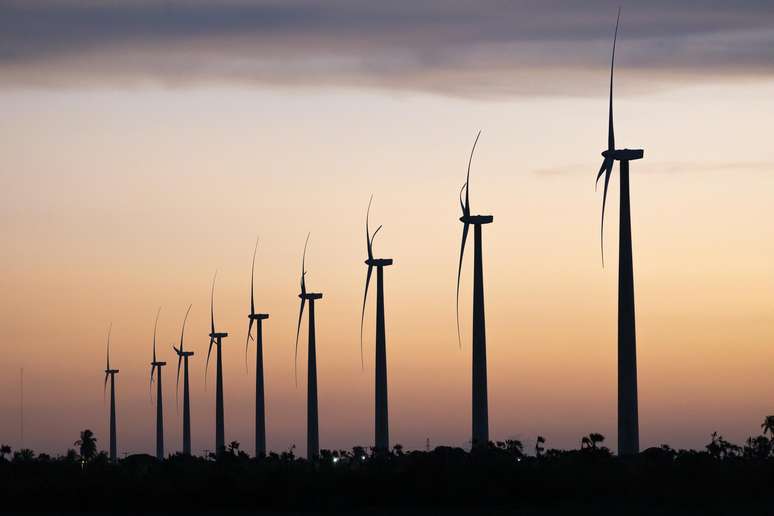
x: 480, y: 417
x: 628, y: 425
x: 312, y: 429
x: 260, y: 410
x: 381, y: 420
x: 217, y: 339
x: 111, y: 373
x: 182, y: 356
x: 156, y: 366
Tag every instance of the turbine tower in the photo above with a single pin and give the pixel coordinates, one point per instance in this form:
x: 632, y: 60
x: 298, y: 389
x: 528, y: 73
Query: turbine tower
x: 260, y: 406
x: 156, y: 366
x: 312, y: 428
x: 111, y: 373
x: 381, y: 420
x: 182, y: 356
x: 480, y: 419
x: 628, y: 425
x: 217, y: 339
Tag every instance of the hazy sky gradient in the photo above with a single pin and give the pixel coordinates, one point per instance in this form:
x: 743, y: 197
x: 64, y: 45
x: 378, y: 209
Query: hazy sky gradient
x: 119, y: 194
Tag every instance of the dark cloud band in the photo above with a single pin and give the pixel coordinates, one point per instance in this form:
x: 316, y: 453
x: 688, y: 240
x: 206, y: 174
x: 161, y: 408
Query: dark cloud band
x: 491, y: 48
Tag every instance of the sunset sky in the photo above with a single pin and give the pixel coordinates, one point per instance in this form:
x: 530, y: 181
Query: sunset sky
x: 145, y: 144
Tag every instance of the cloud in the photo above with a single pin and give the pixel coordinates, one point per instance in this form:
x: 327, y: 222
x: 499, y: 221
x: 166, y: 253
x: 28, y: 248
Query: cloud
x: 493, y: 48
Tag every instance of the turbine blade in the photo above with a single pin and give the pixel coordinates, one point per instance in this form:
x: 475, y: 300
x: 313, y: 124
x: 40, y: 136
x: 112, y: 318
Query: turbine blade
x: 368, y: 233
x: 155, y: 326
x: 298, y: 332
x: 601, y: 171
x: 110, y: 329
x: 252, y: 276
x: 182, y: 331
x: 247, y: 341
x: 150, y: 386
x: 373, y: 237
x: 303, y: 266
x: 301, y: 310
x: 207, y: 364
x: 459, y: 275
x: 104, y: 390
x: 177, y: 382
x: 608, y: 173
x: 466, y: 209
x: 610, y: 132
x: 212, y: 303
x: 362, y: 314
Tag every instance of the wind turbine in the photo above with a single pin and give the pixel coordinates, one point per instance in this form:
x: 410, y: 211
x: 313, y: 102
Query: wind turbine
x: 111, y: 373
x: 182, y: 356
x: 312, y: 427
x: 480, y: 403
x: 260, y: 407
x: 217, y: 339
x: 628, y: 424
x: 381, y: 420
x: 156, y: 366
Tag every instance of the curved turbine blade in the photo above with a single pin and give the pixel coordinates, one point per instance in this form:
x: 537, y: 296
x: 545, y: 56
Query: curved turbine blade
x: 150, y: 386
x: 155, y: 326
x: 247, y: 343
x: 368, y: 233
x: 212, y: 303
x: 110, y: 329
x: 182, y: 331
x: 298, y: 331
x: 252, y: 275
x: 607, y: 169
x: 177, y: 382
x: 207, y: 364
x: 107, y: 366
x: 610, y: 132
x: 301, y: 310
x: 252, y: 303
x: 466, y: 213
x: 362, y: 313
x: 180, y: 353
x: 466, y: 209
x: 459, y: 275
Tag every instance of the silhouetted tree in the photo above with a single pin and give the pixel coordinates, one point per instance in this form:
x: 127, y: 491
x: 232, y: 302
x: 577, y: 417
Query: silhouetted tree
x: 70, y: 456
x: 514, y: 448
x: 4, y: 450
x: 87, y: 444
x: 757, y: 447
x: 539, y: 445
x: 24, y: 455
x: 768, y: 425
x: 398, y: 450
x: 721, y: 449
x: 359, y: 453
x: 592, y: 441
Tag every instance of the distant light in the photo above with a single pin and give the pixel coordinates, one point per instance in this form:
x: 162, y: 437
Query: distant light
x: 518, y: 459
x: 362, y: 457
x: 335, y: 460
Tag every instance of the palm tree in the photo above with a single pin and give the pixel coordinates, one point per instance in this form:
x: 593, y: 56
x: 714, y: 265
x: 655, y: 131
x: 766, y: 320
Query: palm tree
x: 591, y: 441
x: 595, y: 440
x: 87, y: 444
x: 768, y: 425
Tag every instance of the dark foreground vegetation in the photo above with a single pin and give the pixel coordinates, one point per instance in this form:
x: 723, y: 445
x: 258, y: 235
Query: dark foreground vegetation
x: 721, y: 479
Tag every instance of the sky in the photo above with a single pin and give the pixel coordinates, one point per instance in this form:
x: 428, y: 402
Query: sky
x: 146, y: 144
